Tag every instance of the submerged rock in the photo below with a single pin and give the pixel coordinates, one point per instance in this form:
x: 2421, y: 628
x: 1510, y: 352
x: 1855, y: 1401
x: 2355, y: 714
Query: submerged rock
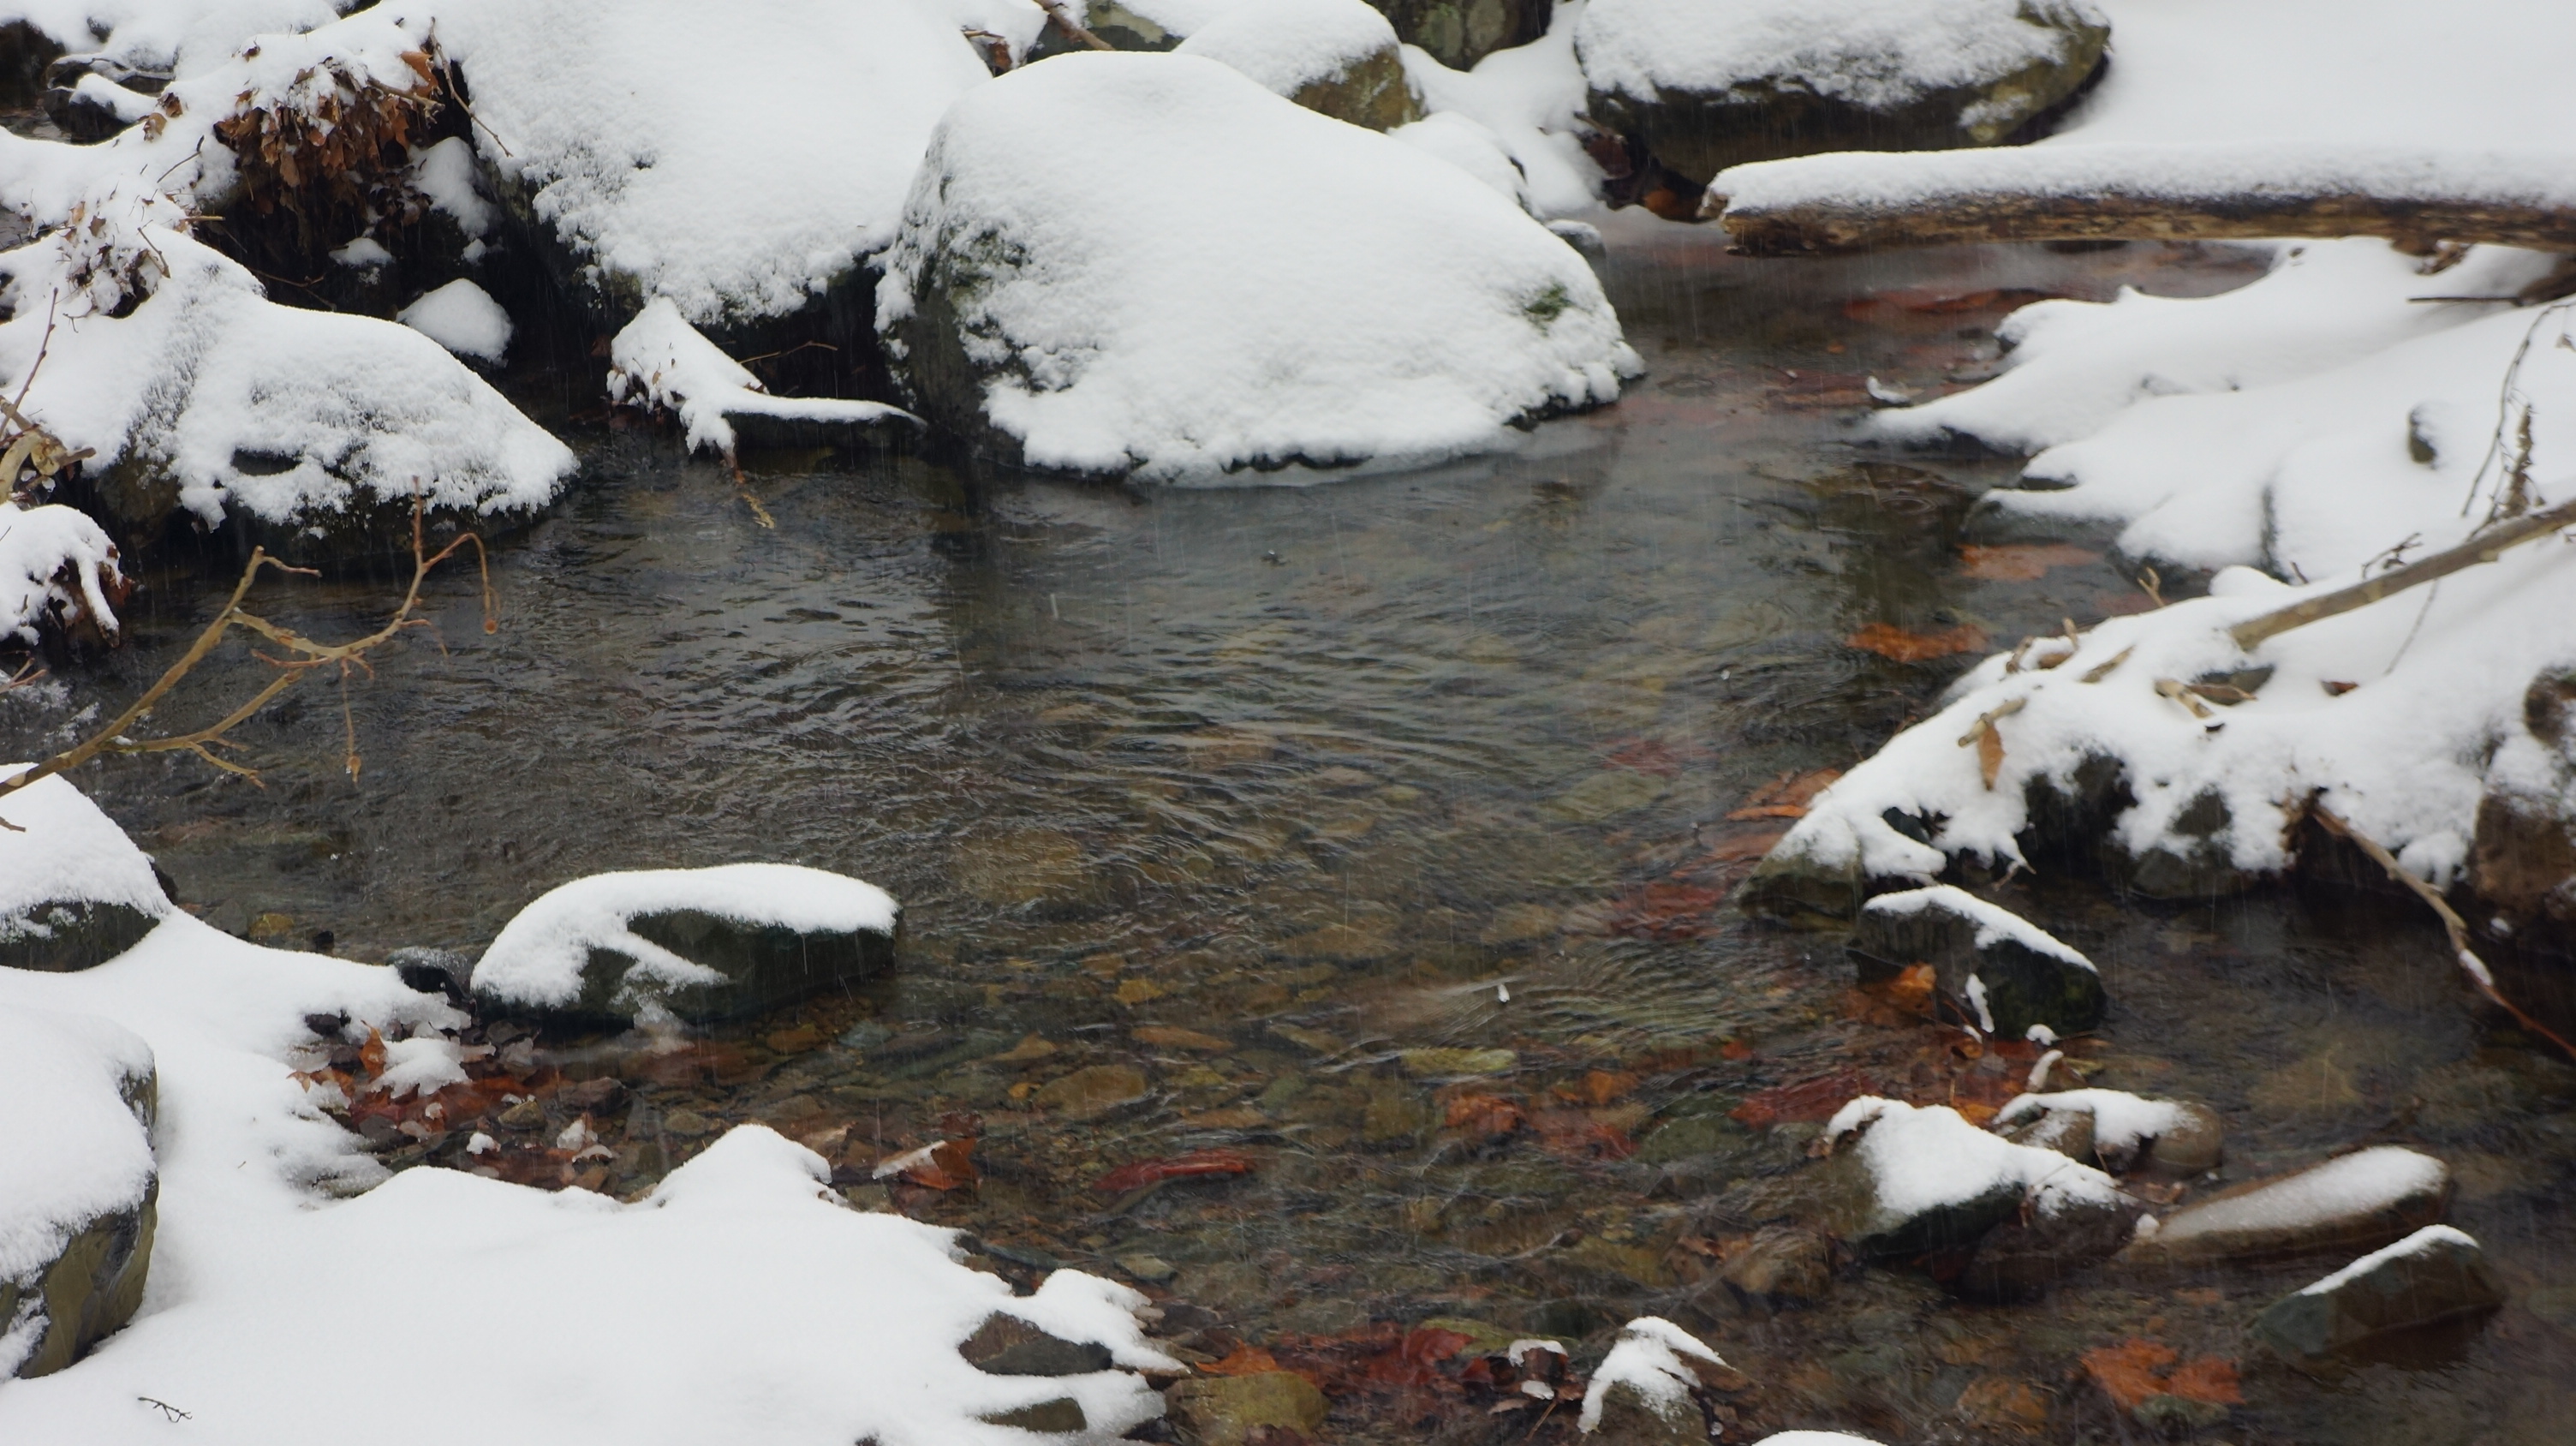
x: 1780, y: 1264
x: 1228, y: 1410
x: 2435, y: 1275
x: 695, y: 944
x: 2001, y: 972
x: 1703, y: 87
x: 77, y: 1200
x: 2361, y: 1200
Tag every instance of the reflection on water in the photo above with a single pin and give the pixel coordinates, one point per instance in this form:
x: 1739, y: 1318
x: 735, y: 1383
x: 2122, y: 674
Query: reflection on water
x: 1378, y: 832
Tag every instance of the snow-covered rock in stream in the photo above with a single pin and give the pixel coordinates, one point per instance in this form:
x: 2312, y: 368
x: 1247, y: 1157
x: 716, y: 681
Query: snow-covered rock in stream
x: 1703, y: 87
x: 2124, y: 1132
x: 463, y: 318
x: 77, y: 1196
x: 1149, y: 264
x: 2433, y: 1276
x: 1334, y: 57
x: 2001, y: 972
x: 699, y: 944
x: 1908, y: 1181
x: 74, y: 890
x: 2355, y: 1202
x: 662, y: 363
x: 58, y: 576
x: 741, y: 163
x: 1646, y: 1390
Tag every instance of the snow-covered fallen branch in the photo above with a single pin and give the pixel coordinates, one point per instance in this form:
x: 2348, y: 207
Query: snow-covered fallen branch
x: 1865, y: 201
x: 58, y: 574
x: 661, y: 362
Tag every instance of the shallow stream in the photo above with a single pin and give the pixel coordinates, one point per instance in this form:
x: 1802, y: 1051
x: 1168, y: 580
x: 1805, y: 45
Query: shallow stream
x: 1319, y: 825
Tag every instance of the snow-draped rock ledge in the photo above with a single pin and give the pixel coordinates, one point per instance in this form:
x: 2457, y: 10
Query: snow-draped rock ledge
x: 1149, y: 264
x: 58, y: 576
x: 76, y: 1198
x: 711, y: 943
x: 74, y: 890
x: 1334, y: 57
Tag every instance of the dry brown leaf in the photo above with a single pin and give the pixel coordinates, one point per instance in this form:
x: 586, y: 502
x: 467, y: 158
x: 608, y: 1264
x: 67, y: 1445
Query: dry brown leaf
x: 1990, y: 755
x: 1899, y: 645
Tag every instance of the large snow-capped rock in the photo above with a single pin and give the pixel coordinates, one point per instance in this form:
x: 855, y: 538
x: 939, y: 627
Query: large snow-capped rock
x: 1335, y: 57
x: 740, y: 160
x: 1706, y: 86
x: 74, y: 890
x: 1151, y: 264
x: 76, y: 1198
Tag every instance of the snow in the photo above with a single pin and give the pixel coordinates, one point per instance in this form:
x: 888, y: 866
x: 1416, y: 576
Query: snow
x: 193, y: 35
x: 1993, y: 922
x: 2122, y: 1122
x: 61, y: 849
x: 463, y: 318
x: 1531, y: 99
x: 740, y: 1301
x: 1877, y: 53
x: 426, y: 1063
x: 659, y: 360
x: 1649, y: 1358
x: 541, y: 953
x: 1269, y: 287
x: 1471, y: 147
x: 2360, y: 1183
x: 445, y: 173
x: 1285, y: 44
x: 76, y: 1149
x: 37, y: 546
x: 739, y: 200
x: 2418, y: 1243
x: 1928, y: 1158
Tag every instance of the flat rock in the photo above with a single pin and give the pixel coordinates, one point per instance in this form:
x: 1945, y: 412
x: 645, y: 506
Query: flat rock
x: 2435, y: 1275
x: 1087, y: 1094
x: 1226, y: 1410
x: 1780, y: 1264
x: 2357, y: 1202
x: 79, y: 1189
x: 1005, y: 1345
x: 1998, y: 970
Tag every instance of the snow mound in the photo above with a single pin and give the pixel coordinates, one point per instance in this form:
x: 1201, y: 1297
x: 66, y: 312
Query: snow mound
x: 2354, y: 1184
x: 662, y: 362
x: 463, y: 318
x: 1148, y: 263
x: 1651, y: 1358
x: 541, y: 953
x: 55, y: 565
x: 741, y: 200
x: 1471, y: 147
x: 69, y: 1128
x: 1876, y: 53
x: 60, y: 848
x: 1994, y: 923
x: 1531, y: 98
x: 1929, y: 1159
x: 1284, y: 44
x: 188, y: 35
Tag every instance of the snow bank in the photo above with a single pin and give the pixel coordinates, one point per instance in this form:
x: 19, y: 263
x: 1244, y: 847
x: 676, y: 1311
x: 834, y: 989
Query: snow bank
x: 61, y: 848
x: 1285, y: 44
x: 1929, y: 1159
x: 76, y: 1147
x: 1994, y: 923
x: 662, y: 362
x: 1882, y: 54
x: 190, y: 35
x: 55, y: 565
x: 1651, y: 1358
x: 541, y: 953
x: 737, y: 161
x: 1149, y: 263
x: 463, y: 318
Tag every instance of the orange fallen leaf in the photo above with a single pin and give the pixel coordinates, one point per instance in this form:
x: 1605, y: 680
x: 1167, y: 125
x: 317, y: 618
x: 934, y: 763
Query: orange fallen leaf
x: 1786, y: 796
x: 371, y: 1055
x: 1597, y: 1087
x: 1898, y: 645
x: 2130, y: 1371
x: 1479, y: 1115
x: 1243, y: 1361
x: 1990, y: 755
x: 2206, y: 1379
x: 1805, y: 1101
x: 2021, y: 562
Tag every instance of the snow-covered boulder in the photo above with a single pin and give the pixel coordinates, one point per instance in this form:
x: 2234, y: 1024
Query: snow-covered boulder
x: 74, y: 890
x: 699, y: 944
x: 2435, y: 1275
x: 2354, y: 1202
x: 2121, y: 1130
x: 1150, y: 264
x: 77, y: 1194
x: 2001, y: 972
x: 740, y: 161
x: 1705, y: 86
x: 1334, y: 57
x: 1648, y: 1389
x: 58, y: 576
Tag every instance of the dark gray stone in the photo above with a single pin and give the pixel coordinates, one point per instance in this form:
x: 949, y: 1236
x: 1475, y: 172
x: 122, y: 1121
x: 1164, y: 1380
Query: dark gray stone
x: 766, y: 966
x: 1005, y: 1345
x: 71, y: 935
x: 2433, y: 1276
x: 2027, y: 1254
x: 2022, y: 985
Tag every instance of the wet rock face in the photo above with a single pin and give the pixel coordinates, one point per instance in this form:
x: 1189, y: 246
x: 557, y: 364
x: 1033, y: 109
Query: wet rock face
x: 1229, y: 1410
x: 2356, y: 1202
x: 1458, y: 33
x: 765, y: 966
x: 1995, y: 970
x: 1701, y: 129
x: 2434, y: 1276
x: 2030, y: 1252
x: 1629, y: 1417
x: 1371, y: 92
x: 1780, y: 1265
x: 70, y: 935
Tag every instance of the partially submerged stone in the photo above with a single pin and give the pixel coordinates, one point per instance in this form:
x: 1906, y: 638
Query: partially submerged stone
x: 74, y: 890
x: 1918, y: 1181
x: 79, y: 1185
x: 2435, y: 1275
x: 2000, y: 971
x: 1334, y: 57
x: 1703, y: 87
x: 1229, y: 1410
x: 2124, y: 1132
x: 695, y: 944
x: 1649, y: 1388
x: 2361, y: 1200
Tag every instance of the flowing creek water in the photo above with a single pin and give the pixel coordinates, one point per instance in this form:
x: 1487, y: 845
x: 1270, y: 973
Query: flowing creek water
x: 1378, y: 832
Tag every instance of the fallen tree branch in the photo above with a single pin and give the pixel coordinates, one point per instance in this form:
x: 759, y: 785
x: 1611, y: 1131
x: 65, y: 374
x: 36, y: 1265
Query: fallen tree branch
x: 2481, y: 547
x: 1837, y: 204
x: 2458, y: 929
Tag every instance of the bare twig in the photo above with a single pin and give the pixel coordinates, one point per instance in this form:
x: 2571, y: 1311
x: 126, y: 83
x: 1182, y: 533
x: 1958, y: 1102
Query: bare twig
x: 2452, y: 924
x: 2484, y: 546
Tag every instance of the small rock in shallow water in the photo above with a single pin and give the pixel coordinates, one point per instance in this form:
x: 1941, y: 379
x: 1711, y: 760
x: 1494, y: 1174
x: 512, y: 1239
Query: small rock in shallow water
x: 1454, y: 1063
x: 528, y: 1115
x: 2434, y: 1275
x: 1226, y: 1410
x: 2000, y: 971
x: 1780, y: 1263
x: 1063, y: 1415
x: 2359, y: 1201
x: 1090, y: 1093
x: 2175, y: 1417
x: 2123, y: 1131
x: 1151, y: 1269
x: 688, y: 1124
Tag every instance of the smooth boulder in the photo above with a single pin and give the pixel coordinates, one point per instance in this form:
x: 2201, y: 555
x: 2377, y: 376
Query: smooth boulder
x: 1908, y: 1181
x: 2358, y: 1201
x: 2433, y: 1276
x: 1334, y: 57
